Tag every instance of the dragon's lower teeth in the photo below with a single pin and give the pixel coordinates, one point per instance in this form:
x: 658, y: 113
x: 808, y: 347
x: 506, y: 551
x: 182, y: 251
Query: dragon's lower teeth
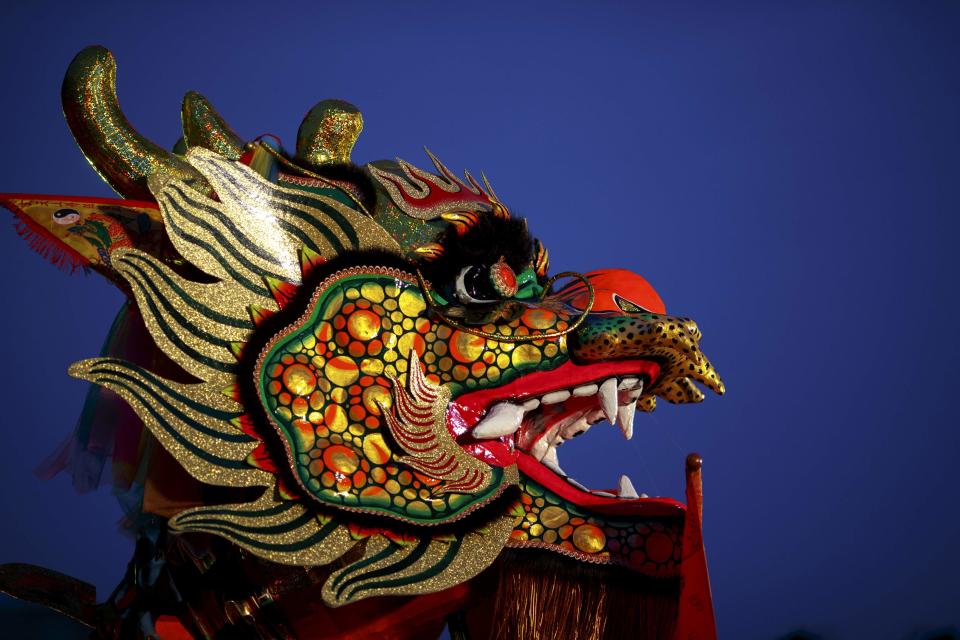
x: 626, y: 488
x: 551, y: 462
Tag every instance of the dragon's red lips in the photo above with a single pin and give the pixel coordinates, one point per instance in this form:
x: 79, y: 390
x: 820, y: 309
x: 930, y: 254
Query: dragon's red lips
x: 525, y: 421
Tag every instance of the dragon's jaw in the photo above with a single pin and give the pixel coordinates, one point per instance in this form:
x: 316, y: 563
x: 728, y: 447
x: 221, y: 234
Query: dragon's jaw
x: 525, y: 422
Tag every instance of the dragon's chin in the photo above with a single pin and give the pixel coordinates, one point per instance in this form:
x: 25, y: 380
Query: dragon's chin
x: 525, y: 421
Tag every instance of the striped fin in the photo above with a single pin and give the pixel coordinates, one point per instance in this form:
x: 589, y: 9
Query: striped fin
x: 193, y: 422
x: 324, y: 225
x: 429, y: 565
x: 187, y: 319
x: 285, y: 532
x: 210, y: 236
x: 224, y: 301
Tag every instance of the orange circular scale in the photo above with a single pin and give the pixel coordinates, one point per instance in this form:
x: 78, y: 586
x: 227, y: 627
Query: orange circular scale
x: 341, y: 459
x: 342, y: 371
x: 539, y: 319
x: 659, y: 547
x: 466, y: 347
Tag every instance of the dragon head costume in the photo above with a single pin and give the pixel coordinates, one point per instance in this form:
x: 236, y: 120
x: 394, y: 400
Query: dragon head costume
x: 365, y: 375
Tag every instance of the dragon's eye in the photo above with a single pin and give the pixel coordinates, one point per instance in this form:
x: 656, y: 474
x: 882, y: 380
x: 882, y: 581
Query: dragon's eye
x: 480, y: 284
x: 473, y: 285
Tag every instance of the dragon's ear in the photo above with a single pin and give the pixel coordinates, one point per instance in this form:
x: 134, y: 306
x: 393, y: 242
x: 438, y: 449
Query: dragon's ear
x: 82, y: 232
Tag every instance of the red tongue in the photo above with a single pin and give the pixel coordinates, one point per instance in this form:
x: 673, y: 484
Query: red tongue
x: 610, y: 506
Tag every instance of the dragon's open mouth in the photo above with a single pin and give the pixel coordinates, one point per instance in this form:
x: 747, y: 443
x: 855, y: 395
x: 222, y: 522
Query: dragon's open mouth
x: 527, y: 420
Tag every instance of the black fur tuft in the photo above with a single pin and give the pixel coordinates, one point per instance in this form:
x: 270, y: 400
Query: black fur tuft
x: 483, y: 244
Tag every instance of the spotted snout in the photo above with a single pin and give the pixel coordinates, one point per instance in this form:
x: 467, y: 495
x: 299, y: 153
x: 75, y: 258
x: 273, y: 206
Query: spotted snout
x: 672, y: 342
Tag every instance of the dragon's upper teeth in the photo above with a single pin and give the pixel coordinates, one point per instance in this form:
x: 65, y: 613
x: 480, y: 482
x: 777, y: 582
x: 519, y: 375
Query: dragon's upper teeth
x: 608, y: 399
x: 626, y: 488
x: 502, y: 419
x: 570, y: 429
x: 585, y: 390
x: 629, y: 383
x: 625, y: 415
x: 555, y: 397
x: 531, y: 404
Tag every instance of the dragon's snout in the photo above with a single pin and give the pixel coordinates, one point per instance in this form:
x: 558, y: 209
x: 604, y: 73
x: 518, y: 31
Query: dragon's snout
x: 628, y: 323
x: 617, y: 337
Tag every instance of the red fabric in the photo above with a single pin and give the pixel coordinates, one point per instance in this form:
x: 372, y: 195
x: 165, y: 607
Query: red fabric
x: 697, y: 621
x: 169, y: 628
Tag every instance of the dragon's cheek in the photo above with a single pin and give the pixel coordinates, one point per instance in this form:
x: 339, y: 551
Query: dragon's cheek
x: 326, y: 380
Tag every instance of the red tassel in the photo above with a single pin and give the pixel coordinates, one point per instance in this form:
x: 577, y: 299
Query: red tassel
x: 48, y: 247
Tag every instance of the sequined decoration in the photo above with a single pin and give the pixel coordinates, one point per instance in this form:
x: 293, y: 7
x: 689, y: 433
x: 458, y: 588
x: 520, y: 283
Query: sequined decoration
x: 122, y: 157
x: 328, y: 132
x: 203, y: 127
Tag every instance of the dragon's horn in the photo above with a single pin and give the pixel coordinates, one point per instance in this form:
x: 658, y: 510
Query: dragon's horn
x: 204, y: 127
x: 328, y: 132
x: 122, y: 157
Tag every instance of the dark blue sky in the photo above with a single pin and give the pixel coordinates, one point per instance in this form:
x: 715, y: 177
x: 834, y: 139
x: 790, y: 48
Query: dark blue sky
x: 788, y: 174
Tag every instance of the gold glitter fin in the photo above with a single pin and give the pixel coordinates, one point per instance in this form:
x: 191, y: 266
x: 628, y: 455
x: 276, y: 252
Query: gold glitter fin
x: 388, y: 568
x: 187, y: 319
x: 226, y: 301
x: 322, y: 224
x: 280, y: 531
x: 192, y: 422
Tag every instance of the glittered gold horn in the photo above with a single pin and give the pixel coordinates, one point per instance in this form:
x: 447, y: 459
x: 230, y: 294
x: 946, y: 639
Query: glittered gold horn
x: 328, y: 132
x: 203, y: 127
x: 122, y: 157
